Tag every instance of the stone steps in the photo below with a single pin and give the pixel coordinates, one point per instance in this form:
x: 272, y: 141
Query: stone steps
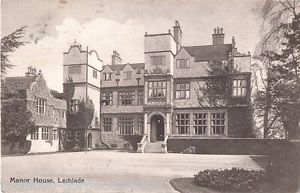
x: 154, y: 147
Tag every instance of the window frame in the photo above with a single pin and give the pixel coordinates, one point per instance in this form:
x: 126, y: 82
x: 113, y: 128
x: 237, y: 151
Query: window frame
x: 126, y: 125
x: 218, y: 125
x: 107, y: 124
x: 77, y: 136
x: 154, y: 87
x: 200, y: 123
x: 239, y: 87
x: 182, y: 123
x: 107, y: 76
x: 45, y: 133
x: 179, y: 65
x: 35, y: 134
x: 107, y: 98
x: 40, y: 106
x: 55, y: 134
x: 69, y: 136
x: 95, y: 74
x: 214, y: 125
x: 184, y: 90
x: 74, y: 105
x: 125, y: 96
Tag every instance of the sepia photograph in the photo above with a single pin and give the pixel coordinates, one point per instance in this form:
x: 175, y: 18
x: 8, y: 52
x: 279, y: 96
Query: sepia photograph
x: 150, y: 96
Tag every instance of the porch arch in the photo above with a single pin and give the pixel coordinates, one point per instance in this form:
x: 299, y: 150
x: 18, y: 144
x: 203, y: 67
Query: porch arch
x: 156, y: 113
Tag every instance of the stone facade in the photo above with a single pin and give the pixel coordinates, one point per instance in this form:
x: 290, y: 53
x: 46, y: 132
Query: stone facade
x: 159, y: 98
x: 168, y: 81
x: 48, y: 113
x: 83, y: 66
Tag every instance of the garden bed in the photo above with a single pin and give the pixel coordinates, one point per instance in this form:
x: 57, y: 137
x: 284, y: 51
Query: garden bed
x: 187, y: 185
x: 235, y: 180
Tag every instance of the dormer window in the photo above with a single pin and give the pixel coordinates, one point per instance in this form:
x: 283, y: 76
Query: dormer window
x: 182, y: 63
x: 107, y: 76
x: 158, y: 60
x: 128, y: 75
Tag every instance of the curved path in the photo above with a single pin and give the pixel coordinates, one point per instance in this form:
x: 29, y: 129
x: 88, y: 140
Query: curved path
x: 110, y: 171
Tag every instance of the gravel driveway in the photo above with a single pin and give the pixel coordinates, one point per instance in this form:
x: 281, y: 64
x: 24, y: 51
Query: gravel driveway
x: 108, y: 171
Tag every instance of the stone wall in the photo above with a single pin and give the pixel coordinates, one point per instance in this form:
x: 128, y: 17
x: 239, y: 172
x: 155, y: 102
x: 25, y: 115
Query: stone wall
x: 240, y: 122
x: 55, y: 108
x: 81, y: 144
x: 112, y: 138
x: 231, y: 146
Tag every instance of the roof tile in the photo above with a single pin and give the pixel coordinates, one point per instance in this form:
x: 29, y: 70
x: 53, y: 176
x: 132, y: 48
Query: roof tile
x: 209, y: 52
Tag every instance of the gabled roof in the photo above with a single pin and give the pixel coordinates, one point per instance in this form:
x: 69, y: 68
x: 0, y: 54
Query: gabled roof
x: 20, y: 83
x: 122, y: 66
x: 209, y: 52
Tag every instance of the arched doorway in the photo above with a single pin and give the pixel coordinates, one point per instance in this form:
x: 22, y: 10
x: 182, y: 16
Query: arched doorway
x: 157, y: 128
x: 89, y: 145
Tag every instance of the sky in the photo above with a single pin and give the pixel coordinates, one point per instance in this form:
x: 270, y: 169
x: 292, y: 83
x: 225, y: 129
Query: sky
x: 107, y: 25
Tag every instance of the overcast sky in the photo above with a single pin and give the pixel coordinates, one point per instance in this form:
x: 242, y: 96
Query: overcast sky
x: 106, y: 25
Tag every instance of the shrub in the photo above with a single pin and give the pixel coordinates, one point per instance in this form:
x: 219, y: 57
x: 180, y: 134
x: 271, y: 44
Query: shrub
x: 234, y: 179
x: 132, y: 140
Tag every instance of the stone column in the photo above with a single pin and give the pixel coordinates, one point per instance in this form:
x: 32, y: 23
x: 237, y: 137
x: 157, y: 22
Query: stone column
x: 146, y: 125
x: 168, y: 127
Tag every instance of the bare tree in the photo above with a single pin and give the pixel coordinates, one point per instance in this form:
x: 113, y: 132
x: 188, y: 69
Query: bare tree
x: 276, y: 53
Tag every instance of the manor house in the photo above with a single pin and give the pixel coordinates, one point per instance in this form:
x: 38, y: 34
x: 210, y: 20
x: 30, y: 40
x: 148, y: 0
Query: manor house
x: 170, y: 95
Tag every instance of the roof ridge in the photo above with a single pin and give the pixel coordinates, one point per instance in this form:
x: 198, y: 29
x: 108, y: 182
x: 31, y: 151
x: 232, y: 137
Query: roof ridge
x: 21, y: 77
x: 206, y: 45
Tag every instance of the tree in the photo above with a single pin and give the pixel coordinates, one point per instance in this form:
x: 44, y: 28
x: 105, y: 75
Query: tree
x: 286, y: 70
x: 274, y: 13
x: 69, y: 90
x: 278, y: 65
x: 82, y: 118
x: 212, y: 90
x: 16, y: 119
x: 9, y: 44
x: 265, y: 100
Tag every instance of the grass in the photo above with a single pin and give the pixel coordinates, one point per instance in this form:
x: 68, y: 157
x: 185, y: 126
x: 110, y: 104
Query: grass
x: 187, y: 185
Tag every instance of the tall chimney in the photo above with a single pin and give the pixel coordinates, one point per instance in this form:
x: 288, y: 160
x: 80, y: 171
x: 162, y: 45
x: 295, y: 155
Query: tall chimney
x: 177, y: 35
x: 218, y: 36
x: 234, y: 49
x: 115, y: 58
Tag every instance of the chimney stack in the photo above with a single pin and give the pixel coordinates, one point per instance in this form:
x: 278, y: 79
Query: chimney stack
x: 218, y: 36
x: 31, y: 71
x: 234, y: 49
x: 115, y: 58
x: 177, y: 35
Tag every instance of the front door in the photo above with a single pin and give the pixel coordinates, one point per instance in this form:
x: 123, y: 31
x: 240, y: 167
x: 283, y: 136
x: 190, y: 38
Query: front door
x: 157, y: 128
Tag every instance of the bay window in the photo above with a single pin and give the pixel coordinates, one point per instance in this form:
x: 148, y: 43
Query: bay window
x: 157, y: 89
